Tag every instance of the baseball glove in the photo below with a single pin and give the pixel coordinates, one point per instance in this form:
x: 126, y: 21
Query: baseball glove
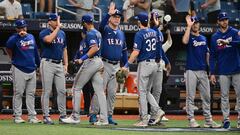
x: 121, y: 76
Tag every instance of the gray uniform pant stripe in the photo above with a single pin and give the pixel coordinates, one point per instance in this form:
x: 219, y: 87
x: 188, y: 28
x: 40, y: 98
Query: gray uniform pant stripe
x: 53, y: 73
x: 197, y: 80
x: 91, y: 69
x: 225, y: 82
x: 146, y: 71
x: 110, y: 85
x: 24, y: 82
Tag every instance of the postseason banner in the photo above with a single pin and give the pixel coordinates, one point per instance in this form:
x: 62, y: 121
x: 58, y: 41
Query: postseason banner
x: 75, y: 26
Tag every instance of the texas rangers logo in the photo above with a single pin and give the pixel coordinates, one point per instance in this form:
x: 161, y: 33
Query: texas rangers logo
x: 25, y: 45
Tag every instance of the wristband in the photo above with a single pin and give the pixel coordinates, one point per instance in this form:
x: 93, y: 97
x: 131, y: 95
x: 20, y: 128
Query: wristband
x: 84, y: 57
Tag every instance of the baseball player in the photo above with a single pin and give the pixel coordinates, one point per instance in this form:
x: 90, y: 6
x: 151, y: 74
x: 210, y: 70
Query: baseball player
x: 88, y: 91
x: 113, y: 50
x: 225, y: 61
x: 22, y: 50
x: 92, y: 68
x: 196, y: 75
x: 53, y: 66
x: 145, y: 42
x: 158, y: 77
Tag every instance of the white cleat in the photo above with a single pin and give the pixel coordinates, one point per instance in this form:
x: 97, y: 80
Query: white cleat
x: 100, y: 123
x: 141, y: 124
x: 70, y: 120
x: 193, y: 124
x: 34, y: 120
x: 164, y: 119
x: 212, y: 124
x: 18, y: 120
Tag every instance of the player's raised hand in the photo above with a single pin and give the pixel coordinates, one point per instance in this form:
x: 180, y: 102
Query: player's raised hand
x: 112, y: 9
x: 155, y: 19
x: 58, y: 22
x: 189, y: 20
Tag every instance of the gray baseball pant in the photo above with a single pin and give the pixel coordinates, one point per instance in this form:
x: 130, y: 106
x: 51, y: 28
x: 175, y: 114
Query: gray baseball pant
x: 52, y: 72
x: 23, y: 82
x: 225, y: 82
x: 198, y: 80
x: 91, y: 69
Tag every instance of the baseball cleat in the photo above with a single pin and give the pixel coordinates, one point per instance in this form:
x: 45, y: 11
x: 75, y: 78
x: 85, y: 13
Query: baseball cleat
x: 141, y: 124
x: 211, y: 124
x: 34, y: 120
x: 193, y: 124
x: 18, y: 120
x: 71, y: 120
x: 226, y: 124
x: 111, y: 121
x: 164, y: 119
x: 47, y: 120
x: 158, y: 116
x: 100, y: 123
x: 92, y: 118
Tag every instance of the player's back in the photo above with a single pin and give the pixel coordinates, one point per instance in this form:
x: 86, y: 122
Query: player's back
x: 145, y: 41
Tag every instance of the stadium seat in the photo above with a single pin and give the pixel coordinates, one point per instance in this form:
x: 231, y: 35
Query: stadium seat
x: 27, y: 10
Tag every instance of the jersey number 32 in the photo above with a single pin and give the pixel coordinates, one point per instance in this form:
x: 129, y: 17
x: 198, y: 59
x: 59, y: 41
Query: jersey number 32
x: 151, y: 44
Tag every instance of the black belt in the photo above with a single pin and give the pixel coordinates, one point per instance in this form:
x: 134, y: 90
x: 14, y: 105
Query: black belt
x: 149, y: 60
x: 53, y: 61
x: 110, y: 61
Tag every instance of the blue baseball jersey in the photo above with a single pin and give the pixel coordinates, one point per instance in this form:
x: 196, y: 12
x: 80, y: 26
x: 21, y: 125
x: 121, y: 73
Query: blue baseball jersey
x: 145, y: 41
x: 79, y: 52
x: 93, y: 37
x: 55, y: 49
x: 160, y: 54
x: 225, y: 59
x: 24, y: 52
x: 197, y: 50
x: 113, y: 42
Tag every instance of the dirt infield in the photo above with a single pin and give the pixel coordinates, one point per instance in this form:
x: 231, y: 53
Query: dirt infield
x: 125, y: 117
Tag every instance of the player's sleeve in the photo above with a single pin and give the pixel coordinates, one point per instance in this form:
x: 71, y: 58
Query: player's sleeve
x: 91, y: 40
x: 10, y: 44
x: 124, y: 54
x: 42, y: 34
x: 65, y: 40
x: 236, y: 39
x: 36, y: 53
x: 213, y: 56
x: 164, y: 56
x: 77, y: 55
x: 104, y: 23
x: 137, y: 44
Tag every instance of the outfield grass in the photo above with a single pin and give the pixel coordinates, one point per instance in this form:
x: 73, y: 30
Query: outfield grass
x: 7, y: 127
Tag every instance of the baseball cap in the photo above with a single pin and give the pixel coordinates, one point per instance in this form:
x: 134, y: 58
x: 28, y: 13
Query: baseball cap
x: 117, y: 12
x: 222, y: 15
x: 20, y: 23
x: 195, y: 19
x: 156, y: 14
x: 87, y: 18
x: 142, y: 17
x: 52, y: 17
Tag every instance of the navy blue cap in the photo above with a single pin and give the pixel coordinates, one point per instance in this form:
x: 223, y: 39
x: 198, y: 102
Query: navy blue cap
x: 142, y: 17
x: 195, y: 19
x: 87, y: 18
x: 156, y: 14
x: 117, y: 12
x: 20, y: 23
x: 52, y: 17
x: 222, y: 15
